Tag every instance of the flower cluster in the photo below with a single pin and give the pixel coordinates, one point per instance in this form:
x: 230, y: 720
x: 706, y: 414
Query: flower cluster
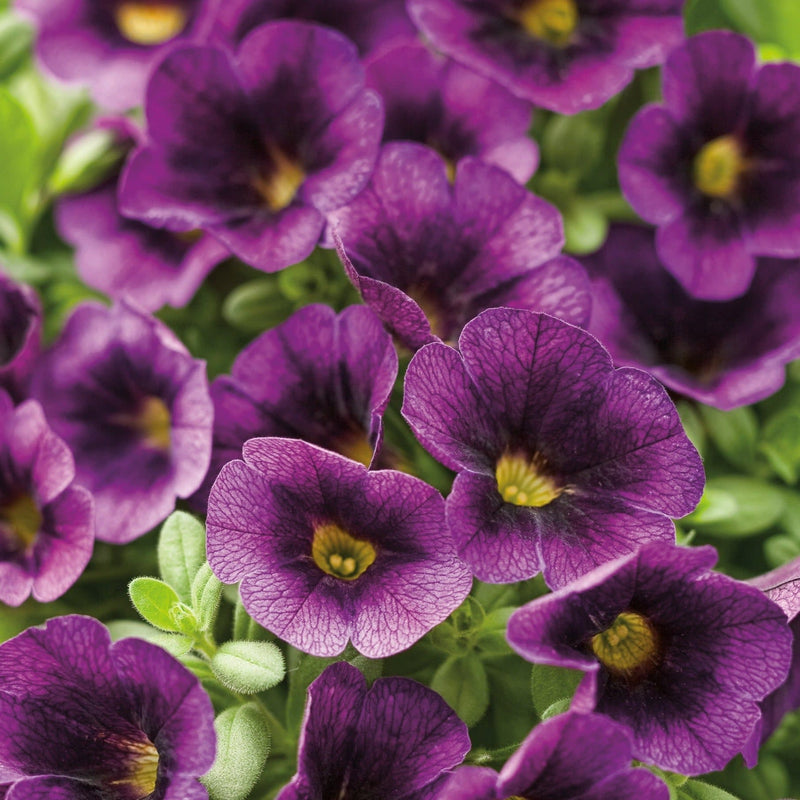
x: 462, y: 345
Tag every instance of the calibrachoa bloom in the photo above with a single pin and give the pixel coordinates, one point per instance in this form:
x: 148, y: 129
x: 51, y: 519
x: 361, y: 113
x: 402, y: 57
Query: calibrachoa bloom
x: 572, y: 756
x: 126, y: 258
x: 111, y: 45
x: 717, y: 165
x: 428, y: 255
x: 678, y: 653
x: 565, y: 55
x: 85, y: 719
x: 255, y: 148
x: 436, y: 101
x: 46, y: 522
x: 328, y: 551
x: 321, y: 377
x: 20, y: 335
x: 134, y: 407
x: 724, y: 354
x: 564, y: 462
x: 368, y: 23
x: 396, y: 739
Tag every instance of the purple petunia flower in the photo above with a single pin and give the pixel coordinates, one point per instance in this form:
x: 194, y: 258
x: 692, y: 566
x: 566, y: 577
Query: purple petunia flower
x: 368, y: 23
x: 680, y: 654
x: 565, y: 55
x: 46, y: 523
x: 126, y: 258
x: 717, y: 166
x: 428, y: 255
x: 782, y: 586
x: 84, y: 719
x: 134, y: 407
x: 569, y: 757
x: 724, y: 354
x: 564, y: 462
x: 454, y: 110
x: 255, y: 148
x: 396, y: 739
x: 20, y: 335
x: 111, y: 45
x: 321, y: 377
x: 328, y: 551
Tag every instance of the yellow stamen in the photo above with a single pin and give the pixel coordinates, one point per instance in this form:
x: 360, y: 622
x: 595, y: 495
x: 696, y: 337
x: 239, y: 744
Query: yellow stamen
x: 356, y: 447
x: 23, y: 518
x: 152, y: 420
x: 140, y: 781
x: 524, y: 482
x: 628, y: 648
x: 150, y: 23
x: 280, y: 186
x: 338, y: 553
x: 552, y: 21
x: 718, y: 167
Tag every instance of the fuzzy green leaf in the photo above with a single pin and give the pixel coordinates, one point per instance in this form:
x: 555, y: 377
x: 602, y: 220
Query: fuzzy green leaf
x: 154, y: 600
x: 181, y: 552
x: 249, y: 667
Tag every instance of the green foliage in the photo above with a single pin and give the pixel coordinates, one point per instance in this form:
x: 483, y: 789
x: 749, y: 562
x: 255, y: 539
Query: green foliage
x: 248, y: 667
x: 206, y: 593
x: 552, y: 688
x: 780, y: 444
x: 181, y: 552
x: 697, y: 790
x: 463, y: 683
x: 243, y: 743
x: 735, y: 434
x: 155, y: 601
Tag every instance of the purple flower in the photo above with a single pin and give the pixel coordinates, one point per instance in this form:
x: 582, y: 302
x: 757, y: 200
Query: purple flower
x: 321, y: 377
x: 678, y: 653
x: 328, y: 551
x: 724, y: 354
x: 255, y: 148
x: 368, y: 23
x: 457, y: 112
x: 134, y: 407
x: 717, y: 166
x: 569, y: 757
x: 125, y: 258
x: 428, y: 255
x: 564, y: 462
x: 20, y: 335
x: 782, y: 586
x: 84, y: 719
x: 111, y: 45
x: 396, y: 739
x: 46, y: 523
x: 565, y: 55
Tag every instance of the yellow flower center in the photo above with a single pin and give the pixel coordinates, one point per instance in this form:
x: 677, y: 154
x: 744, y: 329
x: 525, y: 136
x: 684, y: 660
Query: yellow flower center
x: 552, y: 21
x: 718, y: 167
x: 356, y: 447
x: 280, y: 185
x: 338, y: 553
x: 23, y: 518
x: 524, y: 482
x: 630, y: 647
x: 139, y: 781
x: 152, y: 421
x: 150, y: 23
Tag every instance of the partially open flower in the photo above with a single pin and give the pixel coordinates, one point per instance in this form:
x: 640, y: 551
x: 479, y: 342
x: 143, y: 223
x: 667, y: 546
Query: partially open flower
x: 84, y: 719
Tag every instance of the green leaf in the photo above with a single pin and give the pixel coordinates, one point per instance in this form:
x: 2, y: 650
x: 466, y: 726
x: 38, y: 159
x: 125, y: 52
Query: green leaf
x: 780, y: 549
x: 300, y: 678
x: 572, y: 143
x: 734, y: 506
x: 551, y: 685
x: 780, y: 444
x: 692, y: 424
x: 16, y: 36
x: 735, y: 433
x: 86, y: 162
x: 585, y: 227
x: 462, y: 682
x: 492, y: 636
x: 175, y: 644
x: 18, y: 155
x: 559, y: 707
x: 243, y: 742
x: 775, y: 21
x: 256, y: 305
x: 696, y: 790
x: 154, y: 600
x: 249, y: 667
x: 206, y: 593
x: 181, y: 552
x: 704, y: 15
